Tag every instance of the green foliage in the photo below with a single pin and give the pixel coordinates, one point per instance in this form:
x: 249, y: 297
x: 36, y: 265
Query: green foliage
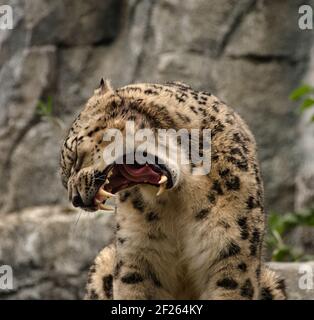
x: 304, y: 94
x: 45, y: 111
x: 279, y: 227
x: 301, y: 92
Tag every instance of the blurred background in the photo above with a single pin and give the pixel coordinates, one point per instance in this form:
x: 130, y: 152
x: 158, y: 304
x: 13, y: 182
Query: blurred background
x: 250, y: 53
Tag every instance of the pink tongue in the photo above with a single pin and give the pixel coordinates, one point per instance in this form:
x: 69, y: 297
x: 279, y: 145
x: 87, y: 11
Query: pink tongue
x: 141, y: 174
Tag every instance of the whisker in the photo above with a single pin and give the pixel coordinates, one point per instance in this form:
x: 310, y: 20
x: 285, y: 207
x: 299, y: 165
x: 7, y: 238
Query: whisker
x: 76, y: 223
x: 99, y: 179
x: 78, y: 218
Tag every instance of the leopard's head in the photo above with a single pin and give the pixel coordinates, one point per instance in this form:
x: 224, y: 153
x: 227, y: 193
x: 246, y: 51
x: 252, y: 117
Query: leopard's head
x: 88, y: 173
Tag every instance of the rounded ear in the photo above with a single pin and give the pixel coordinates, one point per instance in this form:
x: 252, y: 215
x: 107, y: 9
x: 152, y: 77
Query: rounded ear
x: 104, y: 86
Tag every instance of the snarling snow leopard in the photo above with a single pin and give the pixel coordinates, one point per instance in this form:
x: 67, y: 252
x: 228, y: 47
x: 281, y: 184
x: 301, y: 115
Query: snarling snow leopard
x: 178, y: 235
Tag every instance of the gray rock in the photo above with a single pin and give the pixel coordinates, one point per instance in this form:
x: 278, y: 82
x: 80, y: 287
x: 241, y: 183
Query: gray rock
x: 16, y: 39
x: 26, y: 78
x: 53, y: 251
x: 91, y: 22
x: 258, y: 33
x: 198, y: 26
x: 305, y: 178
x: 82, y: 67
x: 41, y: 166
x: 81, y: 70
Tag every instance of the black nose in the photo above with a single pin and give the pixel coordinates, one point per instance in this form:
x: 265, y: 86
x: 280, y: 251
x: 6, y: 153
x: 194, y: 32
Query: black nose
x: 77, y: 201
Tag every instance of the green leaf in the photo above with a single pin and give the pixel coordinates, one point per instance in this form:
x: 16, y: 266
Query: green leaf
x: 45, y: 108
x: 300, y: 92
x: 279, y: 225
x: 281, y: 254
x: 307, y: 218
x: 306, y: 104
x: 273, y: 220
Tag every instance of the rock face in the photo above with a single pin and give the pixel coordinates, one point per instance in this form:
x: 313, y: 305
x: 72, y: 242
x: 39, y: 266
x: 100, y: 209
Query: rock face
x: 53, y: 251
x: 250, y: 53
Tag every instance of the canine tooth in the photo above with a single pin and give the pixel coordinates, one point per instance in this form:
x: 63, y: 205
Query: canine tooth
x: 163, y: 179
x: 105, y: 193
x: 161, y: 190
x: 109, y: 174
x: 105, y: 207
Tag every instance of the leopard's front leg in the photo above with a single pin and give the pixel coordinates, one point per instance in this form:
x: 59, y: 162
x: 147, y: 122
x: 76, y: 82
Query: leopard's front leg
x: 235, y: 280
x: 115, y: 277
x: 139, y: 243
x: 100, y: 277
x: 135, y: 279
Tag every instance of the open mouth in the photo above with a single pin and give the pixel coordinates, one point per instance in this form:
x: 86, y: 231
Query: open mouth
x: 122, y: 176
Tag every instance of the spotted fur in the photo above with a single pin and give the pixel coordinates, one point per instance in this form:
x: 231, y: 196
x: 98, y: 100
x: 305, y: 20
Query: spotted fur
x: 201, y: 239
